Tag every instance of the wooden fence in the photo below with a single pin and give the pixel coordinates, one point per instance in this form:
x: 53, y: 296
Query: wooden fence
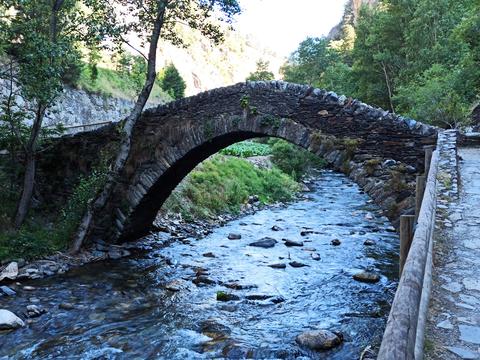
x: 404, y: 333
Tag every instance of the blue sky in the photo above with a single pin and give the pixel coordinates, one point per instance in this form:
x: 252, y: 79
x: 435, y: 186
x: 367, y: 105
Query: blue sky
x: 281, y: 25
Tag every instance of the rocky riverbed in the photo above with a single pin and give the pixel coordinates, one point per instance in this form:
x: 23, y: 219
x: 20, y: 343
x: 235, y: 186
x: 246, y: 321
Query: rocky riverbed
x: 312, y: 279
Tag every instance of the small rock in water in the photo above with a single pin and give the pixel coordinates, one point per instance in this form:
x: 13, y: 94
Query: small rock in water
x: 369, y: 242
x: 176, y: 285
x: 202, y: 279
x: 278, y: 266
x: 209, y: 254
x: 366, y: 276
x: 34, y: 311
x: 233, y: 236
x: 10, y: 271
x: 292, y: 242
x: 266, y: 242
x: 319, y: 339
x: 276, y: 228
x: 223, y: 296
x: 9, y: 321
x: 369, y: 216
x: 258, y: 296
x: 306, y: 232
x: 237, y: 286
x: 316, y: 256
x: 66, y: 306
x: 335, y: 242
x: 297, y: 264
x: 28, y: 288
x: 214, y: 329
x: 7, y: 291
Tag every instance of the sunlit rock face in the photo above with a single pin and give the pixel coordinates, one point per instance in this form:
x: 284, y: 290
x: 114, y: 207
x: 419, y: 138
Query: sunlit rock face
x: 350, y: 16
x: 381, y: 151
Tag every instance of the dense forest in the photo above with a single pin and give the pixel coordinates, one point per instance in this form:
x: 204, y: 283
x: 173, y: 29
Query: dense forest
x: 420, y: 58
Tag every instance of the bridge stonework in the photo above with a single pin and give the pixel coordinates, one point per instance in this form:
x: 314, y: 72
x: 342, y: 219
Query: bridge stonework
x: 381, y: 151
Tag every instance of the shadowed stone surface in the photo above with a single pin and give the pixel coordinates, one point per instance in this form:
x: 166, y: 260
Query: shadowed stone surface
x: 381, y: 151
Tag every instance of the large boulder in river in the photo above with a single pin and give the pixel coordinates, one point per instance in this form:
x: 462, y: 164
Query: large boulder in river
x: 318, y: 339
x: 9, y: 320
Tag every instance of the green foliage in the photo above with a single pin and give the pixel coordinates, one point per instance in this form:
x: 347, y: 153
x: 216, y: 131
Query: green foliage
x: 261, y: 73
x: 172, y: 82
x: 308, y: 63
x: 117, y: 83
x: 292, y: 159
x: 245, y: 102
x: 434, y: 99
x: 223, y: 184
x: 247, y: 149
x: 418, y: 57
x: 36, y: 238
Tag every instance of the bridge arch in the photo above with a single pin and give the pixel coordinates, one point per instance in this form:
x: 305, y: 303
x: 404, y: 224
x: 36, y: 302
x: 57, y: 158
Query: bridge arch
x: 170, y: 140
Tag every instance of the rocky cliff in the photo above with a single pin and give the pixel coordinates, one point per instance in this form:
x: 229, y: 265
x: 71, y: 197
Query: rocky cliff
x: 350, y: 16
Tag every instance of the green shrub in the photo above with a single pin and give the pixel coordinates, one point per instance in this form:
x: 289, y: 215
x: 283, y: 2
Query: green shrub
x: 39, y: 238
x: 247, y: 149
x: 292, y: 159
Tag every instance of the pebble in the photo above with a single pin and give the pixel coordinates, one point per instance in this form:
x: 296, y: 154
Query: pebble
x: 315, y: 256
x: 297, y: 264
x: 28, y: 288
x: 318, y: 339
x: 264, y: 243
x: 369, y: 242
x: 366, y: 276
x: 209, y: 255
x: 335, y: 242
x: 292, y: 243
x: 278, y: 266
x: 223, y: 296
x: 7, y: 291
x: 66, y: 306
x: 276, y: 228
x: 34, y: 311
x: 233, y: 236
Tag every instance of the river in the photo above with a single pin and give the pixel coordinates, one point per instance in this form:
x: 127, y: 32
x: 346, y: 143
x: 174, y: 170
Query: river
x: 122, y: 309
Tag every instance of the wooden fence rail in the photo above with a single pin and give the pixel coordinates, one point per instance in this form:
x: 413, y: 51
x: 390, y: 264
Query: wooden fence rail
x: 404, y: 332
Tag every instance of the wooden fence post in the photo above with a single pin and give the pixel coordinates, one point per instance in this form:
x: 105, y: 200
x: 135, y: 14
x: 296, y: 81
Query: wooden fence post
x: 406, y: 236
x: 428, y: 157
x: 419, y: 191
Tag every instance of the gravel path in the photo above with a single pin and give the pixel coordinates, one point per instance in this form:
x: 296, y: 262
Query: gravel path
x: 453, y: 329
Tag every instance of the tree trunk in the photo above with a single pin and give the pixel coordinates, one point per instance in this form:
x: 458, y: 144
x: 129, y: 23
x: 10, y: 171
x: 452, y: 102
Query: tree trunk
x: 389, y: 88
x: 125, y: 144
x: 29, y: 177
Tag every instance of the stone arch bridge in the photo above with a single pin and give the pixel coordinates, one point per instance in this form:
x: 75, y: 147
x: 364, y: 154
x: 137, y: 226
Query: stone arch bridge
x: 381, y: 151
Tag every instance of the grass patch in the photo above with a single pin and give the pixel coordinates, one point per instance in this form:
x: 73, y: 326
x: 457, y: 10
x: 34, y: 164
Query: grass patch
x: 247, y: 149
x: 222, y: 184
x: 116, y: 84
